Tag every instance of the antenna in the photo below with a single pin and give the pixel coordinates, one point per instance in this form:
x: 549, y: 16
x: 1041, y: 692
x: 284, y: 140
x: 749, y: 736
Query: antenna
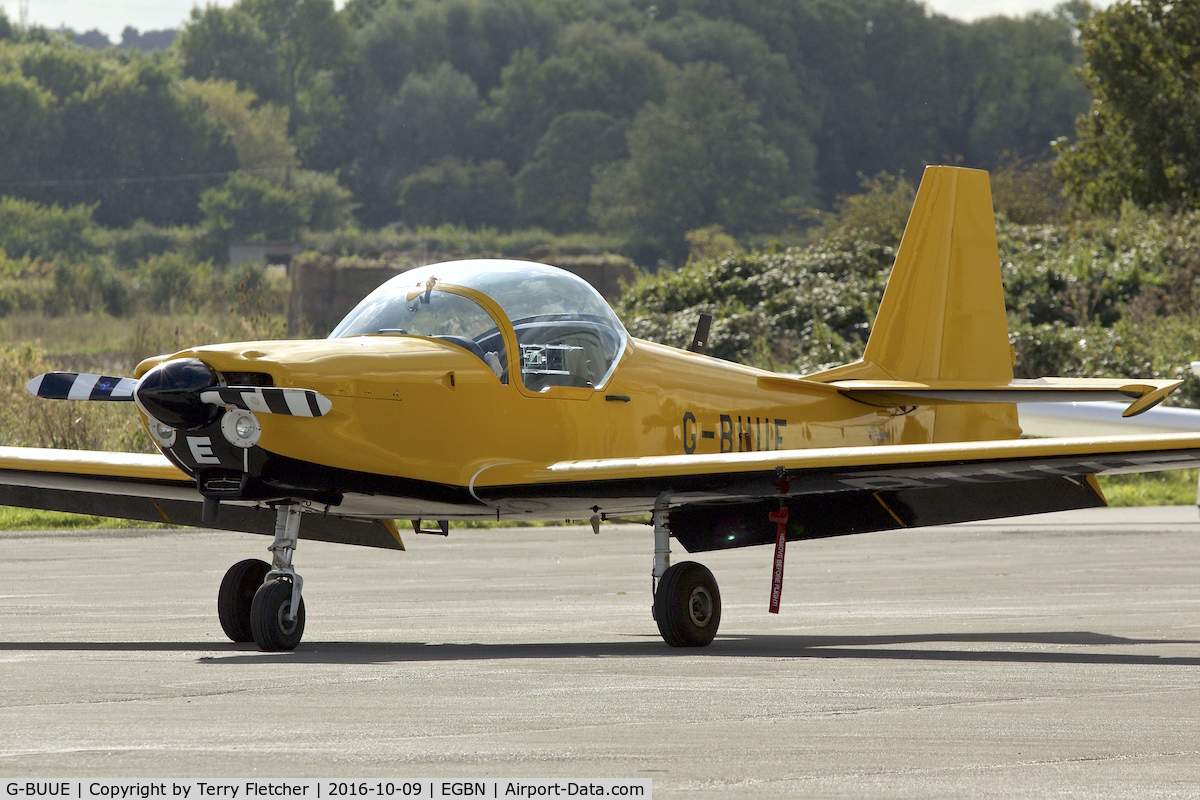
x: 700, y: 340
x: 23, y: 14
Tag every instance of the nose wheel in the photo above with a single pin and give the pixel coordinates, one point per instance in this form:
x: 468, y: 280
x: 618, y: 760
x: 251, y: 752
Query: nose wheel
x: 260, y: 602
x: 236, y: 596
x: 272, y: 621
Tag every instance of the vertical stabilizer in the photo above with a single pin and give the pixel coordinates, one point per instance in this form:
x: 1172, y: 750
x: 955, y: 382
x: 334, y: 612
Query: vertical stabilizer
x: 942, y: 317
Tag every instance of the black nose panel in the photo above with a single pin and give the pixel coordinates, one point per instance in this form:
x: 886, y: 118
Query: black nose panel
x: 171, y: 393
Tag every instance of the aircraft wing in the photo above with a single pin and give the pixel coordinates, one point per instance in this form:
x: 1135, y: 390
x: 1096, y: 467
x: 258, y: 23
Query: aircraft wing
x: 148, y: 488
x: 846, y: 489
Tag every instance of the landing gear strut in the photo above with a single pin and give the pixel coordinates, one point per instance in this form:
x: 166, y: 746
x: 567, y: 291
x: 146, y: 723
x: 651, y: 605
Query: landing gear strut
x: 261, y: 602
x: 687, y: 603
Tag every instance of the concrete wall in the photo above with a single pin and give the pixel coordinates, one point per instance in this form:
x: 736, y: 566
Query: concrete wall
x: 324, y: 289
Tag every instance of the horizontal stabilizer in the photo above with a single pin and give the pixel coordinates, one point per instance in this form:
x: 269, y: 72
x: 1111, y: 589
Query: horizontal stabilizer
x: 1140, y: 395
x: 1137, y: 395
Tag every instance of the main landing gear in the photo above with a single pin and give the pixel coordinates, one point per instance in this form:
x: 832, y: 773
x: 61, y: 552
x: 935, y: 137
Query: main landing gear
x: 687, y: 603
x: 260, y: 602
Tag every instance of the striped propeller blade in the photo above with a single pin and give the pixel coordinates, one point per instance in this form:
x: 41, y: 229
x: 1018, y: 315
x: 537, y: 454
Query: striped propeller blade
x: 82, y: 386
x: 270, y: 400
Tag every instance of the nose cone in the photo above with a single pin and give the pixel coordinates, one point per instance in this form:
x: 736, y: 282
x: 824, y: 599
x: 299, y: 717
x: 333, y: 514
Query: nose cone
x: 171, y: 393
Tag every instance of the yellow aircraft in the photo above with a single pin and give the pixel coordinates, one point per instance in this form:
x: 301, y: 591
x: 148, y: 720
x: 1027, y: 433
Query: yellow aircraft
x: 494, y: 390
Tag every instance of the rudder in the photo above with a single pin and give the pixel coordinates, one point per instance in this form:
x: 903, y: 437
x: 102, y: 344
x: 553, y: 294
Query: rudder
x: 942, y: 317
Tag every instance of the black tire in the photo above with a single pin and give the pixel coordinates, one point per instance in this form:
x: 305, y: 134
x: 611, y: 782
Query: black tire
x: 236, y: 595
x: 687, y: 605
x: 271, y: 631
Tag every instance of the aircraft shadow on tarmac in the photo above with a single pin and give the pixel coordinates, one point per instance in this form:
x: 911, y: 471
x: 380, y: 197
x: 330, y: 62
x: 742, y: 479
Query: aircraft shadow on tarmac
x: 898, y: 647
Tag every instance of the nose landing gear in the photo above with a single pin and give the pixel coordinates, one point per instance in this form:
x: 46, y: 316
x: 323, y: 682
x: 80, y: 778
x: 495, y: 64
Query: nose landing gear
x: 263, y: 603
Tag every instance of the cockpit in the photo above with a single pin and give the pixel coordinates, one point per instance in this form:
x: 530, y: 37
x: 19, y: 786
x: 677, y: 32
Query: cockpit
x: 565, y: 332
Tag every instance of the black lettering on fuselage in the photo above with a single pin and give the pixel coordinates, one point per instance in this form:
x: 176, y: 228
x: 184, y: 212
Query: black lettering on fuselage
x: 753, y: 433
x: 689, y: 433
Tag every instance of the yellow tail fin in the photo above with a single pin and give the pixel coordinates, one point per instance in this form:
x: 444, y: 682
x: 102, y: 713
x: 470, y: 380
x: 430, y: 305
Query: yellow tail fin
x: 942, y: 317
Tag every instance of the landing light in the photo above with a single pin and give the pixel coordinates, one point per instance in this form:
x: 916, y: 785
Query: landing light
x: 241, y: 428
x: 163, y: 433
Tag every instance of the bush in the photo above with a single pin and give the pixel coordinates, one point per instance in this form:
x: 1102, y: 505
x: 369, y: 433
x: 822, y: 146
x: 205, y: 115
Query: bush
x: 1099, y: 297
x: 251, y: 208
x: 91, y: 285
x: 131, y: 246
x: 798, y: 310
x: 38, y: 231
x: 28, y: 421
x: 1136, y: 265
x: 879, y: 213
x: 171, y: 283
x: 329, y: 204
x: 1160, y: 347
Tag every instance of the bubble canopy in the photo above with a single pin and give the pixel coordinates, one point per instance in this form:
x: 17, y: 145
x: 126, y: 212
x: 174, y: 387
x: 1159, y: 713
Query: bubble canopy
x: 566, y: 333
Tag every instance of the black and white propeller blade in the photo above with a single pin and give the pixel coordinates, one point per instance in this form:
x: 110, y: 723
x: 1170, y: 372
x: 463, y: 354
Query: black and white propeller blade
x: 82, y: 386
x: 269, y: 400
x: 259, y: 399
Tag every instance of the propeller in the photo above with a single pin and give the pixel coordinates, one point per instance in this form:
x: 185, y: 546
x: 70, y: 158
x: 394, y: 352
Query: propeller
x: 270, y: 400
x: 182, y: 393
x: 82, y: 386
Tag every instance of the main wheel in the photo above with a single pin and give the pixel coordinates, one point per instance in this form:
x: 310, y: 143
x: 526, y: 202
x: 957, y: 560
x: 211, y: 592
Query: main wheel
x: 236, y: 595
x: 268, y: 616
x: 687, y: 605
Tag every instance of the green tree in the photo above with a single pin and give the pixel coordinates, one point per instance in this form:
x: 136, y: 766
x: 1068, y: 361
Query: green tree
x: 431, y: 116
x: 103, y: 127
x: 1140, y: 140
x: 30, y: 129
x: 433, y: 61
x: 29, y: 229
x: 136, y: 146
x: 228, y: 44
x: 275, y: 47
x: 258, y: 132
x: 699, y: 159
x: 827, y: 44
x: 1019, y: 86
x: 555, y: 188
x: 249, y: 207
x: 468, y: 194
x: 763, y: 76
x: 595, y: 70
x: 59, y: 67
x: 879, y: 213
x: 477, y: 37
x: 328, y: 204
